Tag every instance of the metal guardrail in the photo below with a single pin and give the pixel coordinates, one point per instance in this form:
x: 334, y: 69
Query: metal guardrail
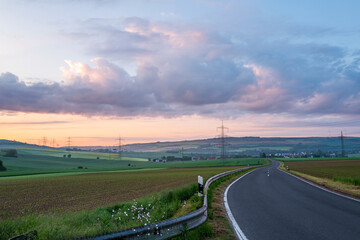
x: 171, y: 227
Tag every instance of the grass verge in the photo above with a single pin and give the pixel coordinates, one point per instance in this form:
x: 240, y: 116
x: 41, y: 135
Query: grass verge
x: 217, y: 226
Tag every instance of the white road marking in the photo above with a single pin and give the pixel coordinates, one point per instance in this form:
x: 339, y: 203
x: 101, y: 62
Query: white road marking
x: 240, y: 235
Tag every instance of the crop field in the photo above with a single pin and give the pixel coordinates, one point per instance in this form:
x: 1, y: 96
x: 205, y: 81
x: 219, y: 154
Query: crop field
x: 317, y: 159
x: 88, y: 191
x: 30, y: 159
x: 51, y: 162
x: 332, y: 169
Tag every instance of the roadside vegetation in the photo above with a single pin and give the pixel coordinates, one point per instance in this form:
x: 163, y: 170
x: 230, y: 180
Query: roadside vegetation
x: 217, y: 226
x: 340, y: 175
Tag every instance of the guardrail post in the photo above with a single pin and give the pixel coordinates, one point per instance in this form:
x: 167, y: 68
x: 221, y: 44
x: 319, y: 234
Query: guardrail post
x: 201, y: 186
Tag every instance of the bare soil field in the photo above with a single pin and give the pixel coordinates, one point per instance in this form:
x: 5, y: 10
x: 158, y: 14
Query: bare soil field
x: 327, y: 168
x: 85, y: 192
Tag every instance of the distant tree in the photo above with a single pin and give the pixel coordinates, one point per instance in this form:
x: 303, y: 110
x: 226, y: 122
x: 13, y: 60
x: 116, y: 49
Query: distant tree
x: 11, y: 153
x: 2, y: 167
x: 263, y: 155
x: 80, y: 167
x: 319, y: 153
x: 69, y: 155
x: 187, y: 158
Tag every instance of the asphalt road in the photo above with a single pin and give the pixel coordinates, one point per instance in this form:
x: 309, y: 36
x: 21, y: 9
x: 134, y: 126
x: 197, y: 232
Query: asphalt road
x: 270, y: 204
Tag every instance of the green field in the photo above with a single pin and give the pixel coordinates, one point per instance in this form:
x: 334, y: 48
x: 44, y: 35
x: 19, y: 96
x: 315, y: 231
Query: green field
x: 32, y: 159
x: 40, y: 162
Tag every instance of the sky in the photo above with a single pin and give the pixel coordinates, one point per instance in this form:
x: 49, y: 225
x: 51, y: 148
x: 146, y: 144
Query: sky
x: 166, y: 70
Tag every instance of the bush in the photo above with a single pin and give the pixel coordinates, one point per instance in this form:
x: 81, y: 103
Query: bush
x: 11, y: 153
x: 2, y: 167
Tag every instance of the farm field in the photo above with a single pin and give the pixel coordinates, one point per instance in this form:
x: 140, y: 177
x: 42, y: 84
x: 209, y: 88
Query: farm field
x: 317, y: 159
x: 327, y: 168
x: 89, y: 191
x: 338, y: 175
x: 32, y: 162
x: 31, y: 159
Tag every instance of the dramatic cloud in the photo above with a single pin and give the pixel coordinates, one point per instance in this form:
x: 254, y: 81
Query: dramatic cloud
x: 186, y: 70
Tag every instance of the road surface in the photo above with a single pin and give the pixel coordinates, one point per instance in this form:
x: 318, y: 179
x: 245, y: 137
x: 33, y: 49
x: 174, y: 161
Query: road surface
x: 270, y: 204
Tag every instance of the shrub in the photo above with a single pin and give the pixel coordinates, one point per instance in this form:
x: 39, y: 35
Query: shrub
x: 11, y: 153
x: 2, y: 167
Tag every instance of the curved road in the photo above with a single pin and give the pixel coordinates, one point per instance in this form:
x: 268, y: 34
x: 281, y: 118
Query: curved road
x: 270, y: 204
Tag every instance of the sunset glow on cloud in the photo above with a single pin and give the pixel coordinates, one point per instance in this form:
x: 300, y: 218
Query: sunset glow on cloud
x: 115, y: 69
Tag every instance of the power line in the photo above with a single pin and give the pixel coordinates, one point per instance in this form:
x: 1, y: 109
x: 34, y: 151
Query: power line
x: 44, y: 141
x: 68, y: 142
x: 222, y: 139
x: 119, y: 147
x: 342, y: 145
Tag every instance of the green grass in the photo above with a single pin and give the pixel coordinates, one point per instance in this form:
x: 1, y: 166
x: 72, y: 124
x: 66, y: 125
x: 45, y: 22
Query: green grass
x: 349, y: 180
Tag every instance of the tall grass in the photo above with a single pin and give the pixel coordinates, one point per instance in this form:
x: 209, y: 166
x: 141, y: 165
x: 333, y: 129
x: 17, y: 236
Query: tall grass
x: 349, y: 180
x: 102, y: 220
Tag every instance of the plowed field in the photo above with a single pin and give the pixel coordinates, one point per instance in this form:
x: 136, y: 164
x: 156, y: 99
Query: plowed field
x: 89, y: 191
x: 327, y: 168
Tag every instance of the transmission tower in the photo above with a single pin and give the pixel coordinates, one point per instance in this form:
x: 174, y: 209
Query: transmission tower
x: 222, y: 139
x: 342, y: 145
x: 44, y: 141
x: 68, y: 142
x: 119, y: 147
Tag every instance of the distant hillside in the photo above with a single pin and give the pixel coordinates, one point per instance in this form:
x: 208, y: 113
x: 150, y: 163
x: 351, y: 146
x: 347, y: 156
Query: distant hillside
x: 251, y: 145
x: 4, y: 144
x: 234, y: 145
